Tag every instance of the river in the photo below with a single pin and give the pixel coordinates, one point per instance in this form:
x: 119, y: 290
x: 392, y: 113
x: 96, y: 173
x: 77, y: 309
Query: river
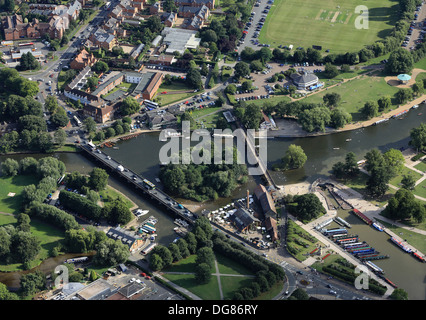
x: 141, y: 155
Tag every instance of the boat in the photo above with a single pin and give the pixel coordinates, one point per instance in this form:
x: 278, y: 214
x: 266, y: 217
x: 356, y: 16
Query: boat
x: 374, y: 267
x: 336, y: 148
x: 363, y: 217
x: 378, y: 226
x: 419, y: 114
x: 419, y: 257
x: 391, y: 283
x: 380, y: 121
x: 140, y: 212
x: 75, y: 260
x: 399, y: 114
x: 347, y: 140
x: 415, y: 106
x: 343, y: 222
x: 401, y: 245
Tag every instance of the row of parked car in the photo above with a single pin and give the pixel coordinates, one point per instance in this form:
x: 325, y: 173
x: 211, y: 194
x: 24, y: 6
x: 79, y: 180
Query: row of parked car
x: 252, y: 98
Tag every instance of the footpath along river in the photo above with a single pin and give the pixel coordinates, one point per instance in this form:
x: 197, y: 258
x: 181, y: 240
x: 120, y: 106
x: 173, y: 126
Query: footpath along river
x: 141, y: 155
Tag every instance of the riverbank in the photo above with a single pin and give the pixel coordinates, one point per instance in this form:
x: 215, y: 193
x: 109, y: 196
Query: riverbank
x: 291, y: 129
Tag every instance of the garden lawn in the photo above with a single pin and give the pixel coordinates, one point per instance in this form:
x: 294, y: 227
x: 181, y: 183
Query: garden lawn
x: 420, y: 189
x: 175, y: 93
x: 355, y: 93
x: 209, y: 291
x: 421, y: 166
x: 327, y: 23
x: 110, y: 192
x: 13, y: 185
x: 405, y: 171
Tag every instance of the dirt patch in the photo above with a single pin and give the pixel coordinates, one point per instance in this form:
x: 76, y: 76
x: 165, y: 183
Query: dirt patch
x: 336, y: 14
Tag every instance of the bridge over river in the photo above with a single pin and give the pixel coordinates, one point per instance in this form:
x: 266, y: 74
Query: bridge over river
x: 140, y: 183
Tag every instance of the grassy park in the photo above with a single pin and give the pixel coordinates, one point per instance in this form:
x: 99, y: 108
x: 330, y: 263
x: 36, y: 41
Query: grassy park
x: 233, y: 276
x: 328, y: 23
x: 355, y: 93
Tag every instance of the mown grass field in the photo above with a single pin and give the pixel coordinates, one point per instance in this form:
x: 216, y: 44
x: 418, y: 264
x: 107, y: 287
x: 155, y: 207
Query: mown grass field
x: 328, y: 23
x: 355, y: 93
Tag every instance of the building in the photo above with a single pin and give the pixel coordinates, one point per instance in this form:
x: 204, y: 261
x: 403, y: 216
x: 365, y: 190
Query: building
x: 162, y: 60
x: 160, y: 119
x: 179, y: 40
x: 99, y: 289
x: 268, y: 122
x: 304, y: 80
x: 169, y: 19
x: 137, y: 51
x: 265, y: 201
x: 103, y: 39
x: 132, y: 291
x: 190, y: 12
x: 195, y: 3
x: 243, y: 219
x: 155, y: 8
x: 271, y: 228
x: 100, y: 113
x: 14, y: 28
x: 148, y: 85
x: 131, y: 240
x: 82, y: 60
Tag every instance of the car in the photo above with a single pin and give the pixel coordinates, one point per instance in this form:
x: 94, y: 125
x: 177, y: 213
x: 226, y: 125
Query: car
x: 299, y: 272
x: 332, y: 292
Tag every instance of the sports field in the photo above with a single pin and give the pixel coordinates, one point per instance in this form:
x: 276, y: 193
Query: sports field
x: 327, y: 23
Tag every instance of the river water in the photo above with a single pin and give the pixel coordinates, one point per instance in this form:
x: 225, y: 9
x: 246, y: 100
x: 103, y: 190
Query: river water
x: 141, y: 155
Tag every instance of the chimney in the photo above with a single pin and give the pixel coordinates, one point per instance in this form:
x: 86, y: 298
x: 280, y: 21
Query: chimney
x: 248, y: 199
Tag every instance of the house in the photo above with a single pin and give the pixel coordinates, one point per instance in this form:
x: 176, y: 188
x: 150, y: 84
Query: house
x: 170, y: 19
x: 103, y: 39
x: 131, y: 240
x: 304, y: 80
x: 202, y: 12
x: 82, y: 60
x: 100, y: 113
x: 265, y: 201
x: 137, y: 51
x: 271, y: 228
x: 155, y: 8
x: 195, y: 3
x: 243, y: 219
x: 160, y: 119
x: 162, y: 60
x: 14, y: 28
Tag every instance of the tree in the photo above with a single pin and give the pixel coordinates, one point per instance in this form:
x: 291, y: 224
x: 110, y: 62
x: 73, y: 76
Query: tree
x: 308, y: 207
x: 51, y: 104
x: 256, y: 65
x: 403, y: 95
x: 377, y: 183
x: 241, y: 69
x: 294, y: 158
x: 25, y: 246
x: 98, y: 179
x: 330, y: 71
x: 394, y: 160
x: 315, y: 119
x: 339, y: 117
x: 408, y: 182
x: 9, y: 5
x: 10, y: 167
x: 202, y: 273
x: 205, y: 255
x: 400, y: 61
x: 111, y: 253
x: 32, y: 283
x: 252, y: 116
x: 193, y: 79
x: 384, y: 103
x: 399, y: 294
x: 332, y: 99
x: 418, y: 137
x: 370, y: 110
x: 117, y: 212
x: 60, y: 120
x: 89, y: 124
x: 100, y: 67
